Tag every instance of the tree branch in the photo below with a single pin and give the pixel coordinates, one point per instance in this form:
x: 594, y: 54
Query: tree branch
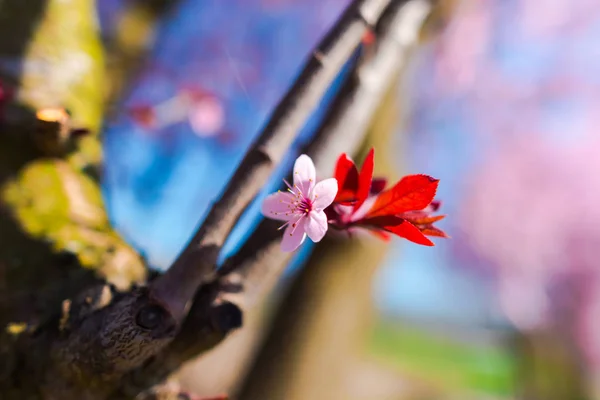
x: 88, y: 357
x: 259, y: 263
x: 343, y: 131
x: 197, y: 261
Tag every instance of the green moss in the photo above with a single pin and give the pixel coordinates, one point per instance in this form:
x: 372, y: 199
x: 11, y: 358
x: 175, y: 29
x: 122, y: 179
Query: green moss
x: 57, y: 203
x: 64, y: 67
x: 53, y: 200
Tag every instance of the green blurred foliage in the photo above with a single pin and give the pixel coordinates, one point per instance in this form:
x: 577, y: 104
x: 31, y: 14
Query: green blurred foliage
x: 447, y: 364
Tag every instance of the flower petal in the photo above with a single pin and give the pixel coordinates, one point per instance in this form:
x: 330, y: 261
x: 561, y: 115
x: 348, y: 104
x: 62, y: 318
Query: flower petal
x: 293, y: 237
x: 324, y: 193
x: 304, y: 174
x: 316, y: 225
x: 276, y: 206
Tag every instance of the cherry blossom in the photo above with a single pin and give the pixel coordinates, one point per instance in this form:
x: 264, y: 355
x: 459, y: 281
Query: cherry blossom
x: 302, y: 205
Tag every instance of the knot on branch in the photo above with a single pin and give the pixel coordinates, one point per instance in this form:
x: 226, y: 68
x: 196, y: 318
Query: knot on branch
x: 113, y: 340
x: 226, y: 317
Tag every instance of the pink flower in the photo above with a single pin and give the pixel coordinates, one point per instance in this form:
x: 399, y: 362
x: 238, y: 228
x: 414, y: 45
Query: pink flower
x: 302, y: 205
x: 206, y: 116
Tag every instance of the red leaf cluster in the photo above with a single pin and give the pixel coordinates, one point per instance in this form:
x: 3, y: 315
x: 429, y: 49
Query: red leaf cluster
x: 404, y: 209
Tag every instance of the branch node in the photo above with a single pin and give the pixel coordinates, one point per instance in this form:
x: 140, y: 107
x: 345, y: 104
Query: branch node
x: 263, y: 155
x: 319, y: 57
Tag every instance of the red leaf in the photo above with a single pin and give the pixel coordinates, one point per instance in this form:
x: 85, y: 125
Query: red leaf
x: 423, y: 219
x: 413, y: 192
x: 435, y: 205
x: 433, y: 231
x: 410, y: 232
x: 364, y: 179
x: 384, y: 220
x: 346, y: 175
x: 377, y: 185
x: 400, y: 227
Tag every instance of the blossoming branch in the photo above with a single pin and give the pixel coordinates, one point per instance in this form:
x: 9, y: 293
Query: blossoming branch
x: 354, y: 200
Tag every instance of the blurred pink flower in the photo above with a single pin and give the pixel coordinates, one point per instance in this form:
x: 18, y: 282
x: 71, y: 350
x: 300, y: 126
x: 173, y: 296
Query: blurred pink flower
x: 518, y: 80
x: 207, y: 116
x: 461, y: 50
x: 203, y: 110
x: 302, y: 205
x: 556, y: 17
x: 531, y: 212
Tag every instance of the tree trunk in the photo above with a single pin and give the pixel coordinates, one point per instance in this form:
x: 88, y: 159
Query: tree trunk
x: 55, y: 237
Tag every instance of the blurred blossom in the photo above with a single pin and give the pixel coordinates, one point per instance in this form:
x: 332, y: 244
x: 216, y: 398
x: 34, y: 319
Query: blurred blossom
x: 207, y: 116
x: 531, y: 211
x: 201, y: 109
x: 555, y: 16
x: 458, y: 62
x: 510, y: 123
x: 491, y: 61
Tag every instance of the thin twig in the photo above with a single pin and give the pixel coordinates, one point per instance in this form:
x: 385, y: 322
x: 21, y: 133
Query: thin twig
x: 197, y: 261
